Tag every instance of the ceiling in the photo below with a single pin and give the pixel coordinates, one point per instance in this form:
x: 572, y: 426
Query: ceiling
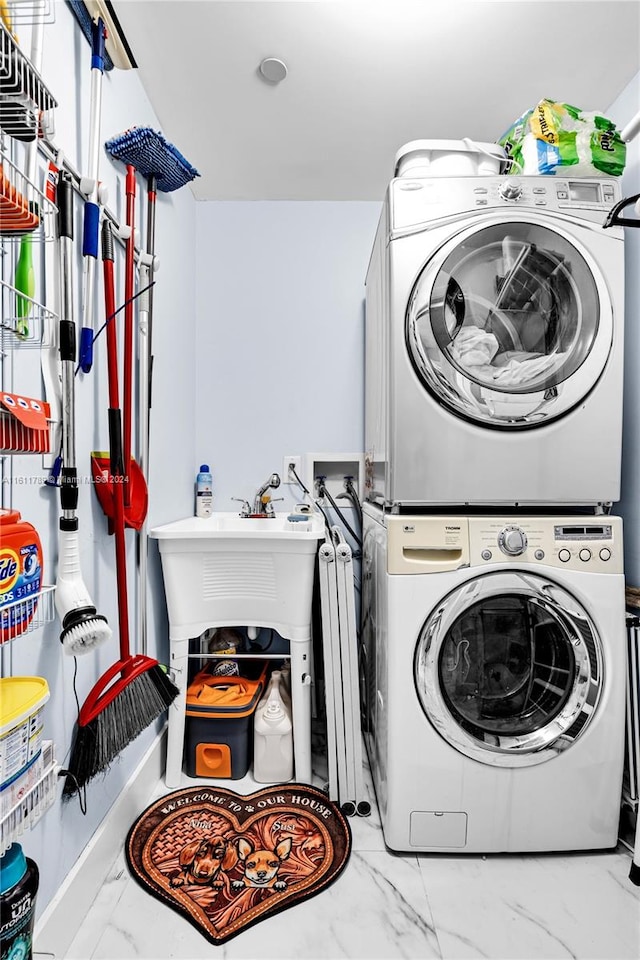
x: 363, y: 78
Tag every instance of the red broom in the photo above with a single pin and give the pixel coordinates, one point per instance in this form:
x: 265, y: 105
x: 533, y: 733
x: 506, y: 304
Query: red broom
x: 135, y: 691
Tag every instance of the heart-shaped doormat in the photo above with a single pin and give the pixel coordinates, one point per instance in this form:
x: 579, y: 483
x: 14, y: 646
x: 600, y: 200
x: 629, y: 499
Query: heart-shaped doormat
x: 226, y: 861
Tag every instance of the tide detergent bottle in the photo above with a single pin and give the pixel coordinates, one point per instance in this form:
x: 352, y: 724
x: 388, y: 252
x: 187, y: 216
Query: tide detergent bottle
x: 20, y: 573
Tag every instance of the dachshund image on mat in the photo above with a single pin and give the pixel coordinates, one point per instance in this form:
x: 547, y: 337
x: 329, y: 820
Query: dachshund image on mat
x: 202, y: 860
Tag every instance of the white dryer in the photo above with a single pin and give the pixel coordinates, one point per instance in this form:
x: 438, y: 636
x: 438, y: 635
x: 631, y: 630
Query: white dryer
x: 493, y: 677
x: 494, y: 334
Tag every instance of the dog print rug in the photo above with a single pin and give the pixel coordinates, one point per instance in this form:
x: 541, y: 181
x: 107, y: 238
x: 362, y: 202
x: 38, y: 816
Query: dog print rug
x: 226, y: 861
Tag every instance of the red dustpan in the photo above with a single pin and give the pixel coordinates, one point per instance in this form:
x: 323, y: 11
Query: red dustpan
x: 104, y: 482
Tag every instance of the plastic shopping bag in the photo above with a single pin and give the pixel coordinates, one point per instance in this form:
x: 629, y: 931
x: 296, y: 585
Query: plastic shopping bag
x: 556, y: 138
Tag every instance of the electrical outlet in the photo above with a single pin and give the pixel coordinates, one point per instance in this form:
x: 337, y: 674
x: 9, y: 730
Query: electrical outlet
x: 287, y: 473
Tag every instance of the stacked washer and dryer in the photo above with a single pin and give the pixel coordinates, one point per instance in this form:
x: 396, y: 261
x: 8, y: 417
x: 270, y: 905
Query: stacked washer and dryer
x: 493, y: 648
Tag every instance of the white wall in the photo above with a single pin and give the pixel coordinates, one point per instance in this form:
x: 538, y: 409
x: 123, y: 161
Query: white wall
x: 622, y: 111
x: 280, y: 333
x: 62, y: 834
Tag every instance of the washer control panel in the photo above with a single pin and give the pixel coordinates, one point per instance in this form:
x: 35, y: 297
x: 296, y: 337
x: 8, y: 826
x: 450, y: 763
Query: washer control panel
x: 512, y: 541
x: 423, y: 543
x: 416, y: 202
x: 588, y: 544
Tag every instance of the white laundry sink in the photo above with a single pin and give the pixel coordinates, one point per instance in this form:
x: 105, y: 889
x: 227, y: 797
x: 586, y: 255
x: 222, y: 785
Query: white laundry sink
x: 239, y: 571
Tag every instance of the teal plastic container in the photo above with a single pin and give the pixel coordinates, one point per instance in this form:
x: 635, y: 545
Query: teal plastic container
x: 19, y: 879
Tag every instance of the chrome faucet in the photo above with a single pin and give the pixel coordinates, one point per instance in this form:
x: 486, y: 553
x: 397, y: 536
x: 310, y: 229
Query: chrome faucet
x: 272, y: 483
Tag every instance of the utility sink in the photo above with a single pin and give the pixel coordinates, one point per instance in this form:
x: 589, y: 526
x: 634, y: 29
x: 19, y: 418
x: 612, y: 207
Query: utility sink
x: 232, y: 525
x: 229, y: 570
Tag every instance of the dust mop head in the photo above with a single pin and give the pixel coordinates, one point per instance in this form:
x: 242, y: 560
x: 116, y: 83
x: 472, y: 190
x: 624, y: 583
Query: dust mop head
x: 134, y: 707
x: 117, y: 51
x: 152, y: 156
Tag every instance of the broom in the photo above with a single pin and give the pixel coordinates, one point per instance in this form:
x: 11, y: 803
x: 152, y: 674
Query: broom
x: 135, y: 690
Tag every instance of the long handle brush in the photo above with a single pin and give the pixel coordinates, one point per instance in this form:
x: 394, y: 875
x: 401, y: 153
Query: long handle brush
x: 135, y: 690
x: 129, y: 285
x: 91, y: 189
x: 82, y: 627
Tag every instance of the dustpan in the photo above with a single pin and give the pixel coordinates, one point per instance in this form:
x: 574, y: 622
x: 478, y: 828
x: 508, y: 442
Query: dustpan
x: 103, y: 480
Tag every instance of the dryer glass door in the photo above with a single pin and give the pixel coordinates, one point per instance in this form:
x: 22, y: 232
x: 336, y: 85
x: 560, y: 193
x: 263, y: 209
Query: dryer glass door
x: 505, y: 325
x: 508, y: 669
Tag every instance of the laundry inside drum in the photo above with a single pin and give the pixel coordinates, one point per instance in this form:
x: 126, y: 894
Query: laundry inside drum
x: 506, y: 667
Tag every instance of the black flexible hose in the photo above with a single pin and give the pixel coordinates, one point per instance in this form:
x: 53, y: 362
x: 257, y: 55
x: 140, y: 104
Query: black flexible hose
x: 325, y: 493
x: 304, y: 489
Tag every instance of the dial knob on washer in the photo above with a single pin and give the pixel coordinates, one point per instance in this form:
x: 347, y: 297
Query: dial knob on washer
x: 512, y: 541
x: 510, y: 190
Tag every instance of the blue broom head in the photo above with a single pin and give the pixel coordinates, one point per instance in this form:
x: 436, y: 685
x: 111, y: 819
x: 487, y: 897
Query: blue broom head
x: 83, y: 17
x: 152, y: 156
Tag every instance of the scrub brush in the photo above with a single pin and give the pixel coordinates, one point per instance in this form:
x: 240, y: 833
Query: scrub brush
x: 83, y: 628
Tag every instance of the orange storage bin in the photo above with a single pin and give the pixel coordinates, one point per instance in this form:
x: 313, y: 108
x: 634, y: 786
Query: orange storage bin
x: 219, y: 722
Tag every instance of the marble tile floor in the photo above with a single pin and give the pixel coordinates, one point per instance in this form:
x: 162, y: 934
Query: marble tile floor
x: 387, y: 905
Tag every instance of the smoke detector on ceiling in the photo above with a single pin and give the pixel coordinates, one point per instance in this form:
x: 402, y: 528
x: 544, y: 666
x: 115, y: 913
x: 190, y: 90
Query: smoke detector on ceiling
x: 273, y: 70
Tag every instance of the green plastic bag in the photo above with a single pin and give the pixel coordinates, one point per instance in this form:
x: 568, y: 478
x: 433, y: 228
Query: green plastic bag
x: 556, y: 138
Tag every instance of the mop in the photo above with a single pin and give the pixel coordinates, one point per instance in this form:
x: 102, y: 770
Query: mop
x: 82, y: 627
x: 135, y: 690
x: 165, y: 169
x: 109, y: 48
x: 117, y: 51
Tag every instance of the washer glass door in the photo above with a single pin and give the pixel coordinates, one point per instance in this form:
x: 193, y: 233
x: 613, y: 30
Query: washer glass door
x: 506, y: 327
x: 508, y: 668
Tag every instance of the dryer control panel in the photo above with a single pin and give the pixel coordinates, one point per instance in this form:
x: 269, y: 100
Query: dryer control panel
x: 589, y: 544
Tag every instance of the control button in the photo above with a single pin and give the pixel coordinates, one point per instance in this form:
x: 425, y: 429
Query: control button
x: 512, y: 541
x: 585, y: 554
x: 486, y: 554
x: 605, y: 554
x: 562, y: 195
x: 564, y: 555
x: 539, y: 554
x: 510, y: 190
x: 539, y: 189
x: 481, y: 203
x: 479, y: 189
x: 540, y: 203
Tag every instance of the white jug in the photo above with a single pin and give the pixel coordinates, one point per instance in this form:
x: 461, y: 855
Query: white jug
x: 272, y: 739
x: 278, y: 680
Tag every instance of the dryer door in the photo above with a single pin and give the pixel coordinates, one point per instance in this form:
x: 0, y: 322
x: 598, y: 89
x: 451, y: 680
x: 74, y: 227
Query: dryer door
x: 508, y: 669
x: 508, y: 325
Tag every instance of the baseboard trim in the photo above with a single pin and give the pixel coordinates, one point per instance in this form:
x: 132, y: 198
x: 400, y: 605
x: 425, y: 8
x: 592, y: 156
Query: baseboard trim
x: 60, y: 922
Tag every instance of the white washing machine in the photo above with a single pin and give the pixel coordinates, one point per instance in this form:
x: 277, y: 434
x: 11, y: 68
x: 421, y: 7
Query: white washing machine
x: 493, y: 664
x: 494, y: 335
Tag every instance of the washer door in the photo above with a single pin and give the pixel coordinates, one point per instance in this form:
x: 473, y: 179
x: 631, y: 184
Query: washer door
x: 507, y: 326
x: 508, y: 669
